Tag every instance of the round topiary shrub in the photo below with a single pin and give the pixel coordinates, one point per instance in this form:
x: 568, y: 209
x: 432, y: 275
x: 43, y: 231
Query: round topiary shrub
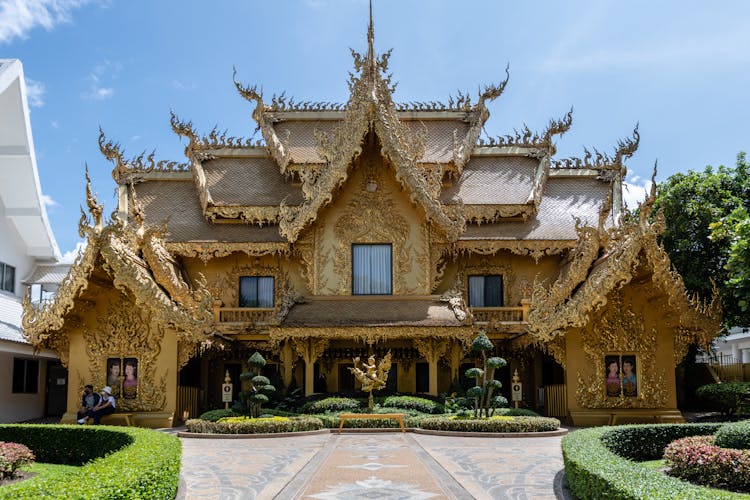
x: 491, y: 424
x: 734, y: 435
x: 329, y: 405
x: 698, y: 460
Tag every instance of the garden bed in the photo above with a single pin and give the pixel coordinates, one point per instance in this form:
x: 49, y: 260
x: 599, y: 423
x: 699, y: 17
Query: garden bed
x: 125, y: 462
x: 603, y: 462
x: 246, y: 425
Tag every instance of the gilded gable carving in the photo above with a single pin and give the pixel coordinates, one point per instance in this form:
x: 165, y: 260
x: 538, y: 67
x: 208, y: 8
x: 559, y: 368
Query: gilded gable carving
x: 618, y: 329
x: 123, y: 330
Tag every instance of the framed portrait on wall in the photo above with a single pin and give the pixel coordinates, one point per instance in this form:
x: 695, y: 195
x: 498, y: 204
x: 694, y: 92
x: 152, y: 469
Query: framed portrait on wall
x: 114, y: 375
x: 629, y: 379
x: 620, y: 375
x: 612, y: 374
x: 130, y: 378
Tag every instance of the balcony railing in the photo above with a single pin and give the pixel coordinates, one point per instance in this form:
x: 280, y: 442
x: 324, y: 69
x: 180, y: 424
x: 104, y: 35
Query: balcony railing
x: 519, y: 314
x: 257, y: 315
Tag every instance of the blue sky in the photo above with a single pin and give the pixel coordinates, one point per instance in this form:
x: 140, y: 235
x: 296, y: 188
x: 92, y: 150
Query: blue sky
x: 680, y: 68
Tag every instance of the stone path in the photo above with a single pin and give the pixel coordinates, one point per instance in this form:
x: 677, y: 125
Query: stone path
x: 376, y: 466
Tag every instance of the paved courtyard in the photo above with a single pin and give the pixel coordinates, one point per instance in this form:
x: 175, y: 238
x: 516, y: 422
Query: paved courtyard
x: 373, y: 466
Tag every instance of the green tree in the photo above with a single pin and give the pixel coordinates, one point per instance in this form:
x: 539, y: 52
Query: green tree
x: 481, y: 394
x: 705, y: 230
x: 260, y: 386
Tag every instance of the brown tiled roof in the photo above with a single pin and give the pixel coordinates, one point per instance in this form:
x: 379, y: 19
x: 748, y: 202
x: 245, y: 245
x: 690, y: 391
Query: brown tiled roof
x: 177, y: 203
x: 439, y: 139
x: 299, y: 136
x: 494, y: 180
x: 248, y: 182
x: 372, y: 312
x: 564, y: 199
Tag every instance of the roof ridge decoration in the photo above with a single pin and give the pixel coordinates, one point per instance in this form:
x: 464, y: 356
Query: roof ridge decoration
x: 370, y: 107
x: 215, y: 139
x: 575, y: 296
x: 116, y: 248
x: 141, y: 164
x: 529, y: 139
x: 280, y: 151
x: 462, y: 149
x: 603, y: 161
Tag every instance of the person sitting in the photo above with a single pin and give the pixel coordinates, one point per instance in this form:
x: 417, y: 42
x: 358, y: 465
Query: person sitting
x: 106, y: 406
x: 88, y: 401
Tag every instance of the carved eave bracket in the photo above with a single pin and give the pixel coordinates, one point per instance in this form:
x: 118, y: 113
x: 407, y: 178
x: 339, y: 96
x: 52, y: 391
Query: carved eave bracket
x: 125, y: 171
x: 463, y: 147
x: 262, y: 115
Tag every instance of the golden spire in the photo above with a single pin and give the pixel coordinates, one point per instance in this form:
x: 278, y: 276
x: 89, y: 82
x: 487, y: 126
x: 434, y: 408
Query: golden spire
x: 370, y: 44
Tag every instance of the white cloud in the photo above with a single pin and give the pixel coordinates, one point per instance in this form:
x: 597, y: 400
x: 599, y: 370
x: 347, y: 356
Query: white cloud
x: 47, y: 201
x: 35, y: 93
x: 135, y: 138
x: 54, y: 124
x: 105, y: 70
x: 70, y: 256
x: 18, y: 17
x: 634, y: 191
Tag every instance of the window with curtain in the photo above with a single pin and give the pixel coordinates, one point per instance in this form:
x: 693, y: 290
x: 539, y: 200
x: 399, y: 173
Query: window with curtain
x: 371, y: 270
x: 486, y: 291
x: 256, y: 291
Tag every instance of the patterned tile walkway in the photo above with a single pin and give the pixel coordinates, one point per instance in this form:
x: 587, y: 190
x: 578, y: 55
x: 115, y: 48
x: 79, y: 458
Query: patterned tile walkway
x: 376, y: 466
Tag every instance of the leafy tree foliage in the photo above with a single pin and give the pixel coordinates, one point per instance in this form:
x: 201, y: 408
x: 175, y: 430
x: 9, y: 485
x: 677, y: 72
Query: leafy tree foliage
x: 252, y: 399
x: 707, y: 233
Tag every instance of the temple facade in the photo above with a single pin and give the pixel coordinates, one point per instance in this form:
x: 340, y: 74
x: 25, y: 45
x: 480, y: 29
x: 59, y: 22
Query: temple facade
x: 367, y: 227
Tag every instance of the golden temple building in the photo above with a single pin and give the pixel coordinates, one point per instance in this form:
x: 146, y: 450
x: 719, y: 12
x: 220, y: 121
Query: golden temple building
x: 368, y: 227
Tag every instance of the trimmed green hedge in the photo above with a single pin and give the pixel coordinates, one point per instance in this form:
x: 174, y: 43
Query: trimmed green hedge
x: 214, y: 415
x: 727, y: 397
x: 734, y: 435
x: 118, y: 462
x: 246, y: 425
x: 413, y: 403
x: 598, y: 462
x: 492, y: 424
x: 330, y: 405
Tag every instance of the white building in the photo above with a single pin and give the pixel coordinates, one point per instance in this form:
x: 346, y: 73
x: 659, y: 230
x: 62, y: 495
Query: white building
x: 31, y: 384
x: 736, y: 345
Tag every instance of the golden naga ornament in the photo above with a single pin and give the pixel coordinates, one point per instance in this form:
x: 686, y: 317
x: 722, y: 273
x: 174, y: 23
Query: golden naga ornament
x: 372, y: 377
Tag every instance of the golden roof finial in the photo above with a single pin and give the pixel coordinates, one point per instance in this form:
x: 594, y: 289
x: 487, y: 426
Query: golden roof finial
x: 371, y: 44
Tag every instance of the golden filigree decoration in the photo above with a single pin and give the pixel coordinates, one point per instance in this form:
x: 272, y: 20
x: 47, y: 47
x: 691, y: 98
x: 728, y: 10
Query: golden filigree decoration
x: 371, y: 334
x: 124, y: 169
x: 246, y: 214
x: 216, y: 139
x: 463, y: 147
x: 603, y: 161
x: 124, y: 330
x: 583, y: 290
x: 206, y: 251
x: 431, y: 349
x: 620, y: 330
x: 370, y: 108
x: 485, y: 214
x: 528, y: 139
x: 372, y: 217
x: 536, y: 249
x: 280, y: 152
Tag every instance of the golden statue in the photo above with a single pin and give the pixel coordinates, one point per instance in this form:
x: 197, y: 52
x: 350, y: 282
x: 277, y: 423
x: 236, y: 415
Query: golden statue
x: 372, y: 377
